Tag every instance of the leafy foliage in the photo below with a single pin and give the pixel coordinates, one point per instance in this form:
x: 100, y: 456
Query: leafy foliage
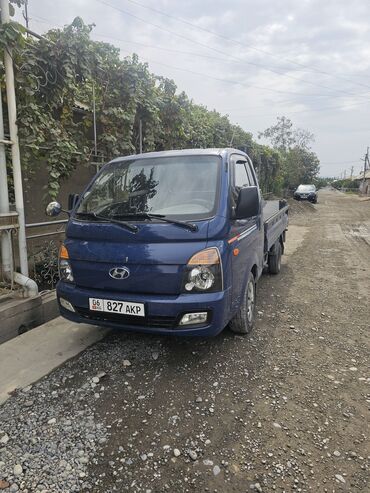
x: 55, y: 80
x: 299, y: 164
x: 346, y: 184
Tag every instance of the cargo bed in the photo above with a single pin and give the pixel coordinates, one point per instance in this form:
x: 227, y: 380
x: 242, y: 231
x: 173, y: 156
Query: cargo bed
x: 275, y: 221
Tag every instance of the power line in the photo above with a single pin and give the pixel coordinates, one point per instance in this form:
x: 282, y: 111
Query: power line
x: 265, y: 52
x: 246, y: 85
x: 351, y: 106
x: 217, y: 78
x: 236, y: 83
x: 240, y: 60
x: 342, y: 162
x: 208, y: 76
x: 200, y: 55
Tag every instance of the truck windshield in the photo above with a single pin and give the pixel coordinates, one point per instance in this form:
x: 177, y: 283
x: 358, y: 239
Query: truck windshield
x: 185, y: 187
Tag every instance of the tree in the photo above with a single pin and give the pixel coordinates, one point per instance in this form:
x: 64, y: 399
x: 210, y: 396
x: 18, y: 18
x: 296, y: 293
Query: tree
x: 299, y: 164
x: 281, y: 135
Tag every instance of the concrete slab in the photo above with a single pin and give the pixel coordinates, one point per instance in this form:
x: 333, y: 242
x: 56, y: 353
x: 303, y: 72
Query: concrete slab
x: 17, y: 315
x: 28, y: 357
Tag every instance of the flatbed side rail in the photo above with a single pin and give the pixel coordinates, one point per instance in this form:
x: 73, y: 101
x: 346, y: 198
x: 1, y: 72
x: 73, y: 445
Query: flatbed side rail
x: 272, y: 227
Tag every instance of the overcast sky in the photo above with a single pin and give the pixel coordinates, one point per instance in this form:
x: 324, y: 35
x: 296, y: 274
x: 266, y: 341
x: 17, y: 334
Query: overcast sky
x: 254, y: 60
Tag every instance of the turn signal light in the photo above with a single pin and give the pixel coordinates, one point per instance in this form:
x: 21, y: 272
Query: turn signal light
x: 63, y: 253
x: 210, y: 256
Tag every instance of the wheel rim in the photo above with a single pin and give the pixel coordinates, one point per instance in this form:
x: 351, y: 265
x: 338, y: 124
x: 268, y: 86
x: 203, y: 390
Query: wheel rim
x: 250, y: 300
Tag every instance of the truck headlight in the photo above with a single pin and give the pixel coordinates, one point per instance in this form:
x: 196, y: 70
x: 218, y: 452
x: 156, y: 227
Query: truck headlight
x: 65, y: 268
x: 203, y: 272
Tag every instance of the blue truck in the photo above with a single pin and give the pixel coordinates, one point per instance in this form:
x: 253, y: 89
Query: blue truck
x: 170, y: 242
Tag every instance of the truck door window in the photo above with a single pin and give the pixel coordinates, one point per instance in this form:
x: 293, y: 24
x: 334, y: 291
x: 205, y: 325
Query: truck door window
x: 241, y: 178
x: 250, y: 172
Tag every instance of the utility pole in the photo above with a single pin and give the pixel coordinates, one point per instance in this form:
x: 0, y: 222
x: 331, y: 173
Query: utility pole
x: 94, y: 121
x: 25, y: 15
x: 366, y: 163
x: 352, y: 168
x: 232, y: 137
x: 16, y: 160
x: 345, y: 173
x: 140, y: 136
x: 6, y: 245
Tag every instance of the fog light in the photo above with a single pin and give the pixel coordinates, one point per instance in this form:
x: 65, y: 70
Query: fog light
x: 194, y: 318
x: 66, y: 304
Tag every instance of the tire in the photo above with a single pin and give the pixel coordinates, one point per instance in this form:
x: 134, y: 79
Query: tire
x: 275, y: 259
x: 243, y: 321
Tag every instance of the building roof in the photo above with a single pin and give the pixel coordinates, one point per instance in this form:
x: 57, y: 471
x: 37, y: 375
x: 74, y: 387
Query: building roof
x: 361, y: 175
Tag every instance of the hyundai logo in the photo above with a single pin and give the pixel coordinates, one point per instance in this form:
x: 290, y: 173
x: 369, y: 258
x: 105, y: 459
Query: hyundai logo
x: 119, y: 272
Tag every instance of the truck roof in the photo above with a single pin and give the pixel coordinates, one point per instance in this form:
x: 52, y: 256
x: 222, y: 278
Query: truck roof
x: 182, y: 152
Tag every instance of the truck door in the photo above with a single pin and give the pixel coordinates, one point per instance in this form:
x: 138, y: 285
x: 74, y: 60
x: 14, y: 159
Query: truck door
x: 246, y: 238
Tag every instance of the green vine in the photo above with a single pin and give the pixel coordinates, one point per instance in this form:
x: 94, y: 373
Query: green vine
x: 55, y: 79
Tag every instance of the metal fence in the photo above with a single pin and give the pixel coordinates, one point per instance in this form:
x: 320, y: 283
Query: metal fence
x: 43, y: 243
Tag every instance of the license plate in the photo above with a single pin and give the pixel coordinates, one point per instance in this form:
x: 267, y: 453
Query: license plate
x: 114, y: 306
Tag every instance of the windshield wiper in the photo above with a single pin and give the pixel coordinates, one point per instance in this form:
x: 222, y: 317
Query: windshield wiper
x: 161, y: 217
x: 130, y: 227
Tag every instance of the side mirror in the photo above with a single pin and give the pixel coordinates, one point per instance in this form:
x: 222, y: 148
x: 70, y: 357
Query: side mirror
x: 53, y: 209
x: 248, y: 204
x: 73, y: 198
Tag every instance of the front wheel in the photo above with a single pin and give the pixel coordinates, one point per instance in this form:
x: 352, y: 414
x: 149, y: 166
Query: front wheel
x: 244, y: 320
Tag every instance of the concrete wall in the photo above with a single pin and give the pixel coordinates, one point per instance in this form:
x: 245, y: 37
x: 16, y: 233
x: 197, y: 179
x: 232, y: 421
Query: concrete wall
x: 35, y: 188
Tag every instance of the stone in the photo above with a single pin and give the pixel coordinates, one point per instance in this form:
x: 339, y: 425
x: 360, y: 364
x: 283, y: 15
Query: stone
x: 208, y: 462
x: 216, y: 470
x: 126, y: 362
x: 276, y: 425
x: 52, y: 421
x: 257, y: 487
x: 18, y: 470
x: 4, y: 484
x: 4, y: 439
x: 95, y: 380
x: 193, y: 455
x: 176, y: 452
x: 155, y: 355
x: 336, y: 453
x: 340, y: 478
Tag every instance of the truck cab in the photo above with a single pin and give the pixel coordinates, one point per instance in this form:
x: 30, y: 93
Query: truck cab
x: 169, y: 242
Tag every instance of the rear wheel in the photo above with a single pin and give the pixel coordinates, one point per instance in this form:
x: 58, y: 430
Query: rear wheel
x: 275, y: 259
x: 243, y: 321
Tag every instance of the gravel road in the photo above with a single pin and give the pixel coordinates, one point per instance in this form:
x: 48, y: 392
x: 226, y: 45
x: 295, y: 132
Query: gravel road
x: 285, y: 409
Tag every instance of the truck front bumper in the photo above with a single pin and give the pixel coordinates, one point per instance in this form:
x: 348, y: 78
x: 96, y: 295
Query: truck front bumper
x: 162, y: 312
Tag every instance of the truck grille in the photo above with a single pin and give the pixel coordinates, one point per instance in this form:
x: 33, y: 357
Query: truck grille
x: 154, y: 322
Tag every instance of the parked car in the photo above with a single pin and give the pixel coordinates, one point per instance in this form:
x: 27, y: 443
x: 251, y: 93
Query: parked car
x: 306, y: 192
x: 171, y: 243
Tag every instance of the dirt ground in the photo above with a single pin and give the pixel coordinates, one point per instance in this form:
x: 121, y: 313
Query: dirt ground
x: 285, y: 409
